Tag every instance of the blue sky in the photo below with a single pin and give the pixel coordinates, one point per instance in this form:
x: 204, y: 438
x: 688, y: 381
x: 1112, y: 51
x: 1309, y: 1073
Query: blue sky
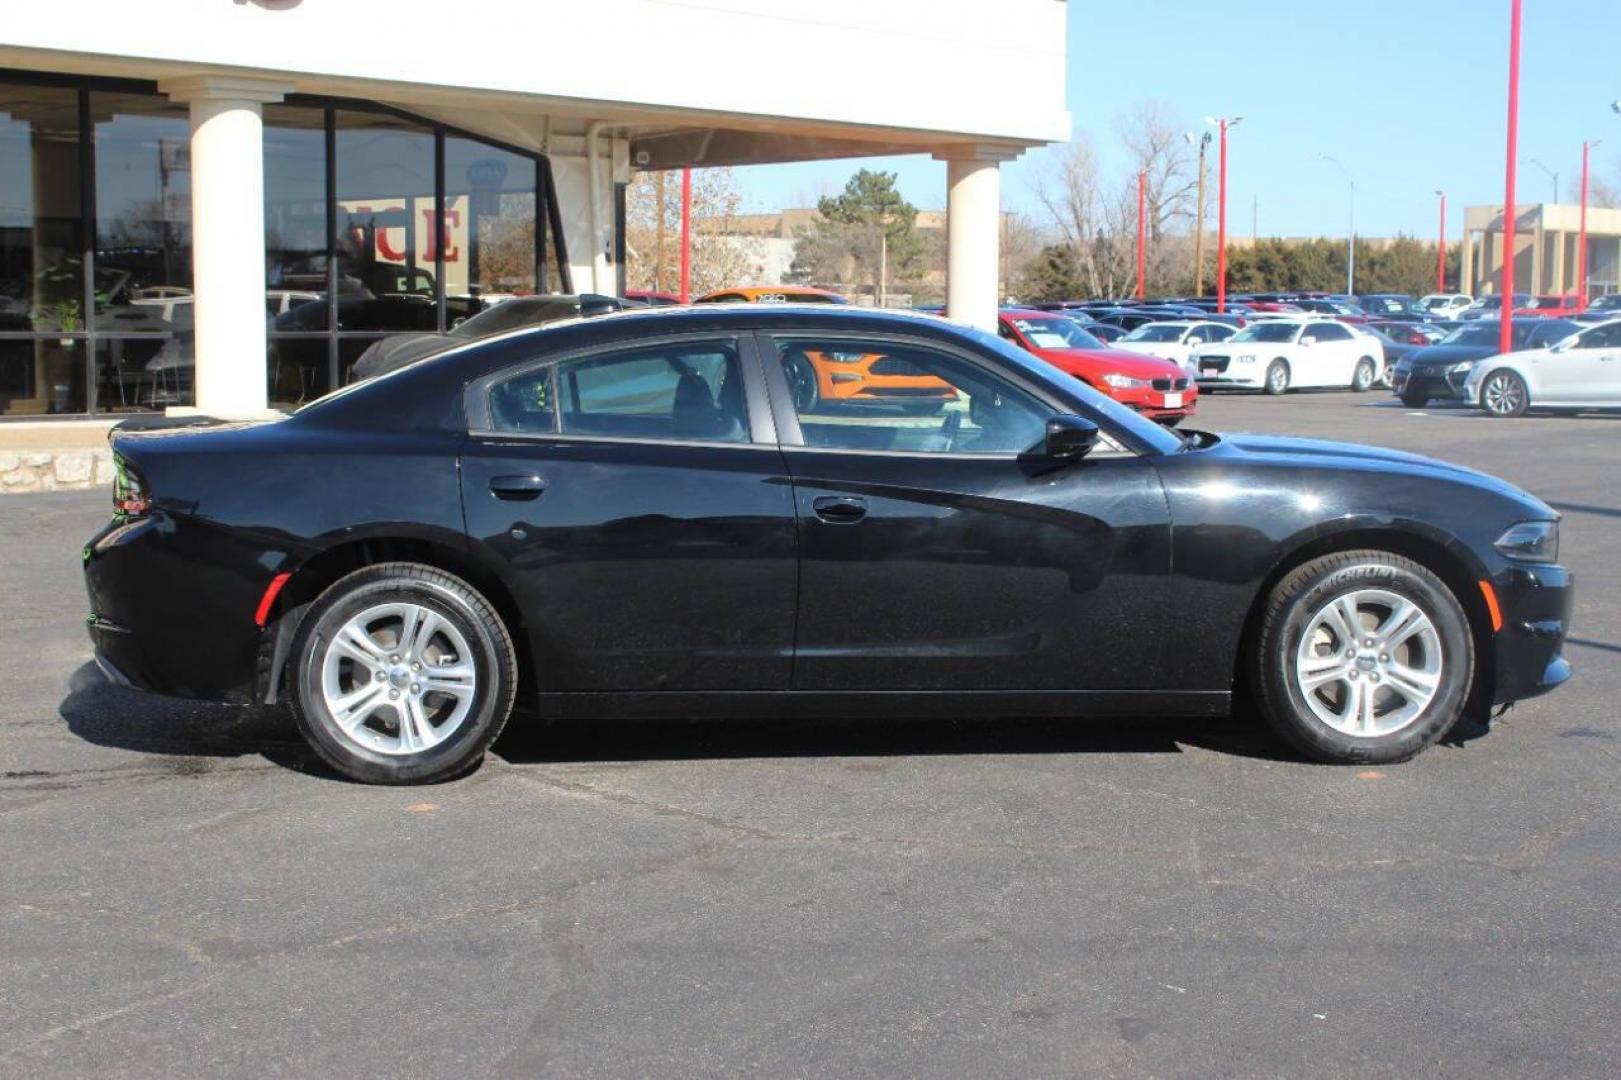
x: 1410, y: 94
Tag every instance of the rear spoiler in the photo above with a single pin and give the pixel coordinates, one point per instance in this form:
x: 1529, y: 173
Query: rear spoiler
x: 136, y: 425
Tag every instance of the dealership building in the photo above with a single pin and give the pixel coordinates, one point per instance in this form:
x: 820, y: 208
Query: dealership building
x: 218, y: 204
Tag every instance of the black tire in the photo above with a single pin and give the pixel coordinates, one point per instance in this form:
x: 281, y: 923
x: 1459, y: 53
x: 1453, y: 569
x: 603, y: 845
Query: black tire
x: 453, y: 600
x: 1289, y: 610
x: 1277, y: 377
x: 802, y: 385
x: 1362, y: 380
x: 1504, y: 395
x: 1415, y: 401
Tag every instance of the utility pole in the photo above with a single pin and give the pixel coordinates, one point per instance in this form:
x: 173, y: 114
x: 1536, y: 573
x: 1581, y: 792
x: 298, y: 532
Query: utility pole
x: 1223, y: 123
x: 658, y: 245
x: 1142, y: 235
x: 1198, y: 219
x: 1505, y: 339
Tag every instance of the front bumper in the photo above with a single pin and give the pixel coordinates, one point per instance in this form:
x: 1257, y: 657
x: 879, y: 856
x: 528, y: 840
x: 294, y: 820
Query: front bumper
x: 1430, y: 383
x: 1536, y: 602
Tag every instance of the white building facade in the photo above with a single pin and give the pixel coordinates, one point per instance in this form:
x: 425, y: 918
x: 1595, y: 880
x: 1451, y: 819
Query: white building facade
x: 218, y: 204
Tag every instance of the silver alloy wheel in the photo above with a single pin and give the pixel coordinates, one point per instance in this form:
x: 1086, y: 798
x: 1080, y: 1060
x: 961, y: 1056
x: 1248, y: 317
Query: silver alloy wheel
x: 1503, y: 394
x: 1277, y: 377
x: 1369, y: 662
x: 1363, y: 379
x: 398, y: 678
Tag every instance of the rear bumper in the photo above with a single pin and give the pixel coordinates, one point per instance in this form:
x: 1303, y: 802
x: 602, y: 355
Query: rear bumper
x: 1536, y: 603
x: 168, y: 623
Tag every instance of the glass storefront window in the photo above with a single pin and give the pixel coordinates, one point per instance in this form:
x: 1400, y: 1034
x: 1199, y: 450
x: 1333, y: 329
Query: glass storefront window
x: 41, y: 234
x: 123, y: 341
x: 42, y: 377
x: 386, y: 241
x: 143, y: 214
x: 489, y: 243
x: 298, y: 369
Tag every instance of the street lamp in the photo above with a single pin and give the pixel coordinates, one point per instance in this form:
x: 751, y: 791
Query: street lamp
x: 1350, y: 247
x: 1198, y: 215
x: 1551, y: 175
x: 1221, y: 214
x: 1441, y: 248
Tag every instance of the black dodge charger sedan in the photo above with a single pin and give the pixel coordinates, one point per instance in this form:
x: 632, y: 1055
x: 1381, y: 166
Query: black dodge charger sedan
x: 631, y: 515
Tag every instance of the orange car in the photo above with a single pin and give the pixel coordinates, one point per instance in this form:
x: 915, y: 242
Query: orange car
x: 862, y: 378
x: 771, y: 294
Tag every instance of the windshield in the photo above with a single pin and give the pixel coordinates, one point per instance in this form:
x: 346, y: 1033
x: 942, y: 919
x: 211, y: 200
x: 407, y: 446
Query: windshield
x: 1486, y: 334
x: 1156, y: 332
x: 1146, y: 433
x: 1266, y: 331
x: 1055, y: 333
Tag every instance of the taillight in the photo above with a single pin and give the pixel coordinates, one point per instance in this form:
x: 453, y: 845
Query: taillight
x: 130, y: 497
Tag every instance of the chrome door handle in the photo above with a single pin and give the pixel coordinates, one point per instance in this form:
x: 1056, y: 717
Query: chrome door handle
x: 517, y: 488
x: 840, y: 509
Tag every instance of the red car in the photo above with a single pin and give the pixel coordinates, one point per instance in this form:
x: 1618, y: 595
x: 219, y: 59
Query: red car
x: 1158, y: 389
x: 652, y: 297
x: 1552, y: 307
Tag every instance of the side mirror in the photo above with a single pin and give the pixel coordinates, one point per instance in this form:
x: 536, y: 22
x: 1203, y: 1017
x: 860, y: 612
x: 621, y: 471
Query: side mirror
x: 1566, y: 345
x: 1308, y: 341
x: 1070, y: 437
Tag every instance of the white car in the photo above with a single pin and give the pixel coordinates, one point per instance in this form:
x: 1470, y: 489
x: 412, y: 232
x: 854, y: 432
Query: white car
x: 1445, y: 305
x: 1278, y: 355
x: 1581, y: 372
x: 1175, y: 340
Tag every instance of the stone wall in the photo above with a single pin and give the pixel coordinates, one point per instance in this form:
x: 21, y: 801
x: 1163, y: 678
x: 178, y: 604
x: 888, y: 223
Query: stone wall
x: 43, y: 469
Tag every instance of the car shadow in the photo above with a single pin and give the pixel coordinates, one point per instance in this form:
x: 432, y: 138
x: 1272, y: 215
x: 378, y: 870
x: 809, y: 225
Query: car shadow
x: 107, y: 715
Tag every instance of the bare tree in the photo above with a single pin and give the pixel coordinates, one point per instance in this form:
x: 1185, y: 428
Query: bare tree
x: 720, y: 257
x: 1155, y: 139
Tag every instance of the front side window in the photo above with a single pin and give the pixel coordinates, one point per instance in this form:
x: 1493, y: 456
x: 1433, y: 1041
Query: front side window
x: 1607, y: 336
x: 687, y: 391
x: 906, y: 399
x: 1330, y: 332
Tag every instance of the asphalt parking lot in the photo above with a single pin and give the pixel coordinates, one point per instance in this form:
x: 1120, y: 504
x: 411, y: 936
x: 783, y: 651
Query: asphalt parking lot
x: 185, y: 892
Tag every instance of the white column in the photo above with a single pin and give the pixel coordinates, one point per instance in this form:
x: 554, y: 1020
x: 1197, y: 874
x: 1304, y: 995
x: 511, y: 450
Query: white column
x: 973, y: 216
x: 228, y: 238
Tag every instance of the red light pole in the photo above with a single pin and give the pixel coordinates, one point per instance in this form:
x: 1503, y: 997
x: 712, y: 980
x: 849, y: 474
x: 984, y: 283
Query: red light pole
x: 1221, y: 214
x: 1142, y: 236
x: 1441, y: 248
x: 686, y: 235
x: 1505, y: 340
x: 1581, y: 235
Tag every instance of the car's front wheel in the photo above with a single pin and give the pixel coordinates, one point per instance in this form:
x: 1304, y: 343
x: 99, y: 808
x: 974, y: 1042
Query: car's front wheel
x: 1363, y: 657
x: 1277, y: 378
x: 1415, y: 401
x: 402, y: 674
x: 1503, y: 394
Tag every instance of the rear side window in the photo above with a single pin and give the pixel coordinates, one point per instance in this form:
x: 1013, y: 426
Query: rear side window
x: 686, y: 391
x: 1329, y: 332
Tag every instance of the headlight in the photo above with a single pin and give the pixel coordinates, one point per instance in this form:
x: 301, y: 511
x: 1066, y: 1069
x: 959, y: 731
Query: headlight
x: 1531, y: 541
x: 1462, y: 367
x: 1124, y: 382
x: 1247, y: 358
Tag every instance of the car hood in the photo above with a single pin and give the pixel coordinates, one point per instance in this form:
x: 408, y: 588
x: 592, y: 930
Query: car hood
x: 1444, y: 355
x: 1119, y: 360
x: 1317, y: 453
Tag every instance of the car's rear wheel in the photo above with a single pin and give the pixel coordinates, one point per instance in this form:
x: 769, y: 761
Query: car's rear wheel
x: 1363, y: 379
x: 1277, y: 378
x: 1363, y: 656
x: 1415, y: 401
x: 402, y: 674
x: 1503, y: 394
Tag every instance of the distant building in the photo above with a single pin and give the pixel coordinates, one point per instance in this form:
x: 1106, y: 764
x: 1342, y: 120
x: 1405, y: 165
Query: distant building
x: 1545, y: 243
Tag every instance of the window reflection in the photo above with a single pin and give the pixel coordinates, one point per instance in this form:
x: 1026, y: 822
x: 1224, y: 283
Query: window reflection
x: 43, y: 377
x: 489, y: 243
x: 41, y: 242
x: 387, y: 239
x: 143, y: 214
